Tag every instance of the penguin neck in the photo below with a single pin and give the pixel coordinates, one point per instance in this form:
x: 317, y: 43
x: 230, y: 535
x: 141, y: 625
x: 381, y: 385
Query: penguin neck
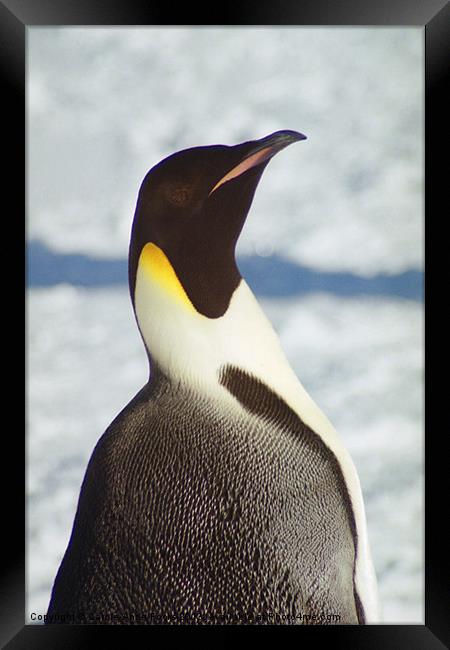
x: 194, y: 350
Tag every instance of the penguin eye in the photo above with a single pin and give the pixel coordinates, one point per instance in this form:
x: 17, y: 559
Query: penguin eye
x: 179, y: 195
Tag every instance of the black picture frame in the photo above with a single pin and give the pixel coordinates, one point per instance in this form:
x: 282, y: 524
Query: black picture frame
x: 434, y: 17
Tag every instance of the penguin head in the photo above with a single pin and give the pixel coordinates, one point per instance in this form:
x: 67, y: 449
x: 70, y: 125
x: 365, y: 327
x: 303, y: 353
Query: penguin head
x: 190, y: 211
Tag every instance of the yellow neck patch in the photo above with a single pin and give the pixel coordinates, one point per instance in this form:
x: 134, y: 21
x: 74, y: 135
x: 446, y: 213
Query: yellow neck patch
x: 158, y: 268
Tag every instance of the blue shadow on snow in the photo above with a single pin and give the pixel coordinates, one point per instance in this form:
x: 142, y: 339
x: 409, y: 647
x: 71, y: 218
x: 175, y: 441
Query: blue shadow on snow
x: 267, y: 276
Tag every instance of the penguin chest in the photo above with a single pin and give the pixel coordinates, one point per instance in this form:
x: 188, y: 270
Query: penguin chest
x: 233, y: 512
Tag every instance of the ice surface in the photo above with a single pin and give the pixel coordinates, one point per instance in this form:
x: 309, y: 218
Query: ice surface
x: 106, y: 104
x: 360, y: 359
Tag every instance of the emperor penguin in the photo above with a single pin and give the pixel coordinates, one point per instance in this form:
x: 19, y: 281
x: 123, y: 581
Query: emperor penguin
x: 221, y: 494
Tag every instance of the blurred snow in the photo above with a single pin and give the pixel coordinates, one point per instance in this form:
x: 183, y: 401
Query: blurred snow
x: 360, y: 360
x: 106, y: 104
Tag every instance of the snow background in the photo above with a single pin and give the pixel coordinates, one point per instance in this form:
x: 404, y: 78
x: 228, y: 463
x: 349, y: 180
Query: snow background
x: 106, y: 104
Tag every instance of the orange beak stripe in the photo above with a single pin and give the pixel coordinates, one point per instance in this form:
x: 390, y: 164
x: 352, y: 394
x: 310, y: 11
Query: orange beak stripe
x: 245, y: 165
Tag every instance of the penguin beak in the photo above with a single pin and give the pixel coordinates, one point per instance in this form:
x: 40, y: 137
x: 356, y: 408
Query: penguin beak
x: 259, y: 152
